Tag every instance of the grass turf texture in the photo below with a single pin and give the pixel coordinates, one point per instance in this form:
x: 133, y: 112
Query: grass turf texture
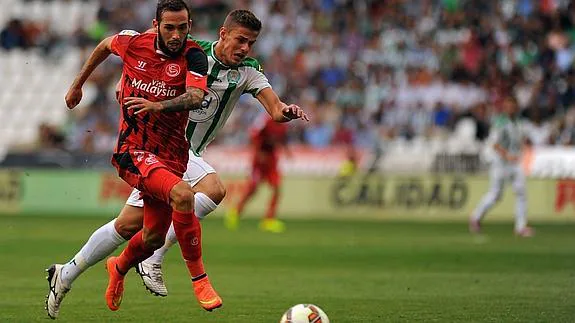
x: 355, y: 271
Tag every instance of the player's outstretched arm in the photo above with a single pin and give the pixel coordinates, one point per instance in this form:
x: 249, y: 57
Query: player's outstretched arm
x: 279, y: 111
x: 190, y: 100
x: 99, y: 54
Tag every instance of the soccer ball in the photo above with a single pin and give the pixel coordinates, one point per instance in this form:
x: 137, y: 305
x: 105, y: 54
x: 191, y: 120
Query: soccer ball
x: 304, y: 313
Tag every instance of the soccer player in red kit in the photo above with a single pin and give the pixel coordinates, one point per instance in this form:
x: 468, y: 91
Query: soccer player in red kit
x: 267, y: 137
x: 164, y: 76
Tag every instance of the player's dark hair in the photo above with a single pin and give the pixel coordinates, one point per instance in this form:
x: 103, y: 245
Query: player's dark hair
x: 244, y: 18
x: 170, y: 5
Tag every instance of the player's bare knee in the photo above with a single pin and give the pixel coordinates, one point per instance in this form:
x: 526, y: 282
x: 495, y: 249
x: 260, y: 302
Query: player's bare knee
x: 218, y: 194
x: 184, y: 202
x: 182, y: 197
x: 214, y: 189
x: 126, y: 229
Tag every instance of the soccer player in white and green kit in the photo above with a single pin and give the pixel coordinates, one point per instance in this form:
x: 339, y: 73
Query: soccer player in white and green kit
x: 508, y: 137
x: 231, y: 73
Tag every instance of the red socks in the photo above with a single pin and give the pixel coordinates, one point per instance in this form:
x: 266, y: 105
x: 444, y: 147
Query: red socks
x: 156, y: 220
x: 189, y: 233
x: 134, y: 253
x: 271, y: 213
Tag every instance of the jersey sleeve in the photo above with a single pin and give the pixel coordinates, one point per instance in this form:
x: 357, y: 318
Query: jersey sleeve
x: 256, y: 80
x: 204, y: 44
x: 197, y: 75
x: 121, y: 41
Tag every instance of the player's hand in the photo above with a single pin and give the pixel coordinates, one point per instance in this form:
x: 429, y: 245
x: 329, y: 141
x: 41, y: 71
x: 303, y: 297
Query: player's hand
x: 142, y: 105
x: 293, y: 111
x: 73, y: 97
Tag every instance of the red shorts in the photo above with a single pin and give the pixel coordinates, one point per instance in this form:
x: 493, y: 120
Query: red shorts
x: 267, y: 174
x: 146, y: 172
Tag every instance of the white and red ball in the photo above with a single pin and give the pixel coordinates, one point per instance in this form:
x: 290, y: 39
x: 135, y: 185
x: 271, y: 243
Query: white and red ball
x: 304, y: 313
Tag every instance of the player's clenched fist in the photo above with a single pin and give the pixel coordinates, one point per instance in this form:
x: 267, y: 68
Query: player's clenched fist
x: 293, y: 111
x: 73, y: 97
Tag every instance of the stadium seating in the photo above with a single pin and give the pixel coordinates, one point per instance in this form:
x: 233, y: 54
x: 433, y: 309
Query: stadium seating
x: 34, y: 85
x: 34, y: 90
x: 64, y: 17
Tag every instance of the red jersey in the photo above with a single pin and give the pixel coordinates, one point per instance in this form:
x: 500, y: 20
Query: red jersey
x: 149, y: 73
x: 268, y: 136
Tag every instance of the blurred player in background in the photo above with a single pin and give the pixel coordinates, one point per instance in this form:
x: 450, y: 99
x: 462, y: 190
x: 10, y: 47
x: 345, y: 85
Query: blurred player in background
x: 231, y: 73
x: 267, y: 138
x: 350, y: 165
x: 508, y: 138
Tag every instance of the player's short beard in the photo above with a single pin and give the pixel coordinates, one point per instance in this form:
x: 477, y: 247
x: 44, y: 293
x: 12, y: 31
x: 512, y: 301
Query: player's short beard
x: 164, y: 47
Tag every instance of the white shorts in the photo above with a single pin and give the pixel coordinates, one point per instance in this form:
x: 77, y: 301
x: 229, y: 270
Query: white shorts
x: 197, y: 169
x: 505, y: 172
x: 499, y: 174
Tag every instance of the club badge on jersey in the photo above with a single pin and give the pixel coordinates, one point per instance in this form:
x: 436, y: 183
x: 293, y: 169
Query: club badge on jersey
x: 233, y: 77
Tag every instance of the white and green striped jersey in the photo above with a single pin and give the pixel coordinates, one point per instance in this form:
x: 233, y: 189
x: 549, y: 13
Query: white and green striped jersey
x: 225, y: 86
x: 509, y: 134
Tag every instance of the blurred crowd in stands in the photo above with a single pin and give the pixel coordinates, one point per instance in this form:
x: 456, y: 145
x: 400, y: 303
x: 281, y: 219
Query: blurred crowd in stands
x: 365, y: 70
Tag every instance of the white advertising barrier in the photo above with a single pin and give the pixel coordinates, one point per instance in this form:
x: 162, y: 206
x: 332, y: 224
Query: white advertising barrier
x: 550, y: 162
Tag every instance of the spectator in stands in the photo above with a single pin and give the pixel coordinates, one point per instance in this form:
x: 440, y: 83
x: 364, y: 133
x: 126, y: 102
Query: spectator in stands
x: 479, y: 115
x: 50, y: 138
x: 539, y: 131
x: 567, y: 135
x: 319, y: 132
x: 442, y: 116
x: 456, y: 58
x: 13, y: 35
x: 420, y: 120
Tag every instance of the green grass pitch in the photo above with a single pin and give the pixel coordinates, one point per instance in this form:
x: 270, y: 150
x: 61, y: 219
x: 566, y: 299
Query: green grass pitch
x: 356, y: 271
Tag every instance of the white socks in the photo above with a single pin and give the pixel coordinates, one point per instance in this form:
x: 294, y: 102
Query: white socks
x: 101, y: 244
x: 203, y: 206
x: 105, y: 240
x: 521, y: 211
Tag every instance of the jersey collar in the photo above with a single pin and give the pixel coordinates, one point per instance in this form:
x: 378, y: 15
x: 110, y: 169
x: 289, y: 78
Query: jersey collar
x: 213, y: 54
x: 159, y: 51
